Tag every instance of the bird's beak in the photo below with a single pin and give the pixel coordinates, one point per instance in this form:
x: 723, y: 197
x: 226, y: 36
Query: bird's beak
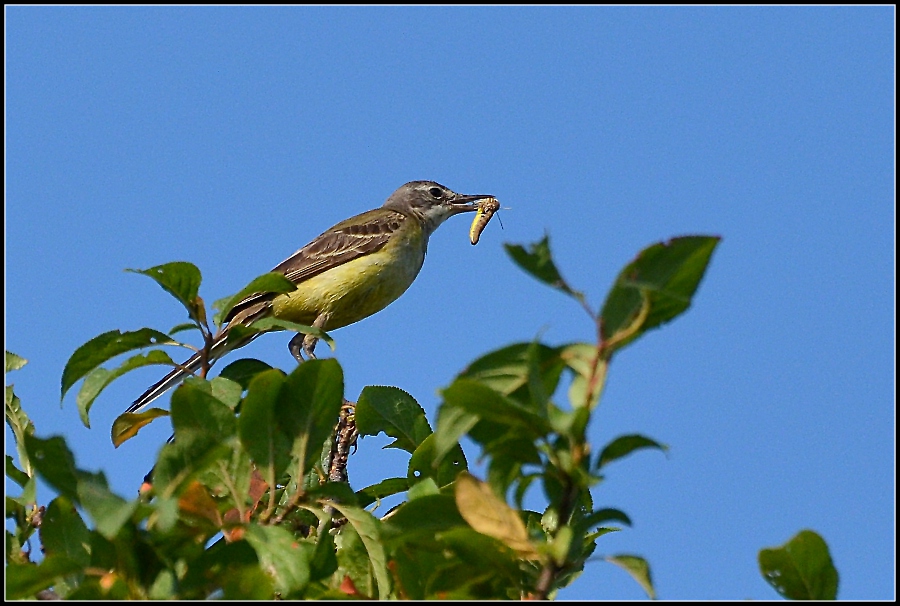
x: 464, y: 204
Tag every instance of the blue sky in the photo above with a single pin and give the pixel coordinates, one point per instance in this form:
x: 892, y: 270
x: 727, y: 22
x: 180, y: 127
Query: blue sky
x: 230, y: 137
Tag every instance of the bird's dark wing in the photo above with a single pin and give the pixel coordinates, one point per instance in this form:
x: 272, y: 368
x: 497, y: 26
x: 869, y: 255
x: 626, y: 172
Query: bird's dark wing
x: 355, y: 237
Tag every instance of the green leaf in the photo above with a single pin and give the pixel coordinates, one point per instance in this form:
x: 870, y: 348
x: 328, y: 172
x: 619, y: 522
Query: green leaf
x: 240, y: 334
x: 639, y: 570
x: 56, y: 465
x: 104, y: 347
x: 28, y: 498
x: 195, y: 408
x: 205, y: 433
x: 353, y: 562
x: 18, y: 513
x: 503, y: 440
x: 452, y: 424
x: 14, y: 473
x: 183, y: 327
x: 457, y: 564
x: 580, y: 357
x: 422, y: 488
x: 559, y: 547
x: 309, y: 406
x: 14, y: 362
x: 21, y: 427
x: 108, y: 511
x: 181, y: 280
x: 260, y: 428
x: 417, y: 569
x: 26, y: 580
x: 654, y: 288
x: 569, y: 423
x: 625, y: 445
x: 423, y: 516
x: 246, y: 583
x: 163, y: 587
x: 524, y: 483
x: 97, y: 380
x: 385, y: 488
x: 369, y: 530
x: 217, y: 565
x: 242, y: 371
x: 273, y: 324
x: 507, y: 370
x: 601, y: 516
x: 593, y: 536
x: 486, y: 403
x: 281, y: 555
x: 481, y: 552
x: 589, y: 370
x: 168, y: 510
x: 272, y: 282
x: 538, y: 262
x: 333, y: 491
x: 55, y: 462
x: 801, y: 569
x: 95, y: 589
x: 394, y: 412
x: 192, y: 453
x: 425, y: 464
x: 324, y: 560
x: 63, y: 532
x: 226, y: 391
x: 537, y: 390
x: 107, y: 555
x: 502, y: 473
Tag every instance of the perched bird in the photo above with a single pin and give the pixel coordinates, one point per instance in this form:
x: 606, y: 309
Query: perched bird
x: 353, y: 270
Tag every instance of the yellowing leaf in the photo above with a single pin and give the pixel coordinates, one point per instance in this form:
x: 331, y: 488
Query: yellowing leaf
x: 488, y: 514
x: 127, y: 425
x: 197, y: 501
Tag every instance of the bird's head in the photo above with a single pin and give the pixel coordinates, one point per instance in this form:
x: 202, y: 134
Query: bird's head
x: 431, y: 202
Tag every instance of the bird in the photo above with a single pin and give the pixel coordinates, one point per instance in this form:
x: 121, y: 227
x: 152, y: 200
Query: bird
x: 352, y: 270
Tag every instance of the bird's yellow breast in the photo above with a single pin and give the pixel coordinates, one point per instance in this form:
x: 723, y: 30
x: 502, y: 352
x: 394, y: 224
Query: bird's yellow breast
x: 360, y: 287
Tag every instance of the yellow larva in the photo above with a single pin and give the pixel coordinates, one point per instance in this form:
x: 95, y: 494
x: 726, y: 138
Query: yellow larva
x: 486, y: 210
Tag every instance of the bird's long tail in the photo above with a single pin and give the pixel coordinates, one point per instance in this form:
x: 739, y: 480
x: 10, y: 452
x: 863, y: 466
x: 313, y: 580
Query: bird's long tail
x: 169, y: 381
x: 245, y: 312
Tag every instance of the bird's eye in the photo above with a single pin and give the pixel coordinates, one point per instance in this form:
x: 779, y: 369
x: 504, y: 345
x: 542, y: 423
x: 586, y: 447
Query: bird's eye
x: 436, y: 192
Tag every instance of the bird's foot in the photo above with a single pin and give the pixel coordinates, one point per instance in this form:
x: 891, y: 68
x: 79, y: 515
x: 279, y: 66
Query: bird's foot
x: 303, y: 344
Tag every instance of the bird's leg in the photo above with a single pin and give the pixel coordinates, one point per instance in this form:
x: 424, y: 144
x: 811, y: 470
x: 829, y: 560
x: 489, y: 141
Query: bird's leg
x: 295, y: 345
x: 307, y: 343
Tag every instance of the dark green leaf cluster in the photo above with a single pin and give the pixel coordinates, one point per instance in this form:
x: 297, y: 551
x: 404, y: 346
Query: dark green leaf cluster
x: 181, y: 280
x: 241, y: 505
x: 222, y: 482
